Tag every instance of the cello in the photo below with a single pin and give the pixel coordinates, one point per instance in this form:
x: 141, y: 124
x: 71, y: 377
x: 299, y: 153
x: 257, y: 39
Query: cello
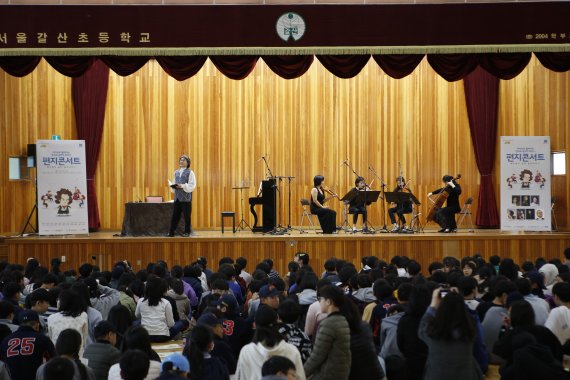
x: 440, y: 200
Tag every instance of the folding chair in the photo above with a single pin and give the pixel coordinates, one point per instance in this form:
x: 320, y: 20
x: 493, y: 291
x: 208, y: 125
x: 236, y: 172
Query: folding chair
x: 305, y: 204
x: 466, y: 212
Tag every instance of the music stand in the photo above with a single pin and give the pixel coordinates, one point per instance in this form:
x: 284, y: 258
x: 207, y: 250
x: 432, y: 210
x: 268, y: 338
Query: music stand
x: 242, y: 223
x: 362, y: 196
x: 400, y: 197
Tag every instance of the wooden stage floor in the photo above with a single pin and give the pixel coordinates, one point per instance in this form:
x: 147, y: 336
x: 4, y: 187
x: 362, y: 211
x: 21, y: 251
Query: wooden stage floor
x: 104, y: 248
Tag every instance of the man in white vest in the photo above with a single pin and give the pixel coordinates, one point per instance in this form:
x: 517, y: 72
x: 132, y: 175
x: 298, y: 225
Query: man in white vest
x: 182, y: 187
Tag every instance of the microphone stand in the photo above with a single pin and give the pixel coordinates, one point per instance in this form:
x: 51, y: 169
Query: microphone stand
x: 368, y: 225
x: 267, y: 166
x: 289, y: 227
x: 371, y: 169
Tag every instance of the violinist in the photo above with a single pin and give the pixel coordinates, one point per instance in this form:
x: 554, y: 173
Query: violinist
x: 357, y: 207
x: 327, y: 217
x: 445, y: 216
x: 400, y: 208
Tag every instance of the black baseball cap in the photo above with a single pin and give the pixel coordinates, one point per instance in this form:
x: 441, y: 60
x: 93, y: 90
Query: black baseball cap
x: 29, y: 316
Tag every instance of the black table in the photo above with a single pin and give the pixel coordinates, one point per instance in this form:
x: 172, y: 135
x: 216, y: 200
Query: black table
x: 149, y: 219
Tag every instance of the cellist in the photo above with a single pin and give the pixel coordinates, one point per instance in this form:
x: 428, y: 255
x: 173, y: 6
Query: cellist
x: 445, y: 216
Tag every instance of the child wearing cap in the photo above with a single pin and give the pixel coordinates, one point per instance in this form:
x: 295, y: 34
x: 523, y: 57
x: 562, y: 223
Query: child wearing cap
x: 237, y: 330
x: 23, y: 362
x: 174, y: 367
x: 221, y: 349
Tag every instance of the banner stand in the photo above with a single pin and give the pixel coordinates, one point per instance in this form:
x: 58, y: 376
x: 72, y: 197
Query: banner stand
x: 61, y: 187
x: 525, y: 183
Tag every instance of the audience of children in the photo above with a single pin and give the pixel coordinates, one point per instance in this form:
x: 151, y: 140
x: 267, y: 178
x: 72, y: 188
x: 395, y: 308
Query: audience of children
x: 383, y: 320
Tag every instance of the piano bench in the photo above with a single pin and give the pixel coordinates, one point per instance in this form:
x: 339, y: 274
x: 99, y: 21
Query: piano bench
x: 229, y: 214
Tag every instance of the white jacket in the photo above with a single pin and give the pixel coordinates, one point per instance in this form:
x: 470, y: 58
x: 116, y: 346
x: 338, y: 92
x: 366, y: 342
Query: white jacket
x: 253, y: 355
x: 559, y: 323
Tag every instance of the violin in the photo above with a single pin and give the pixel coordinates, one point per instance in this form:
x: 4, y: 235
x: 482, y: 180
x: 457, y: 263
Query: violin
x: 440, y: 200
x: 401, y: 189
x: 405, y: 187
x: 331, y: 192
x: 366, y: 187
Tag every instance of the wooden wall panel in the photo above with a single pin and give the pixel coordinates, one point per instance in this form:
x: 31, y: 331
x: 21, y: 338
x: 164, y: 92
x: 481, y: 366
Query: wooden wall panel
x: 33, y: 107
x: 305, y: 126
x: 425, y: 248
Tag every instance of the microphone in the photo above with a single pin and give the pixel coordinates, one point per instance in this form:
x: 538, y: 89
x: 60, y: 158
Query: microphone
x: 262, y: 158
x: 344, y: 162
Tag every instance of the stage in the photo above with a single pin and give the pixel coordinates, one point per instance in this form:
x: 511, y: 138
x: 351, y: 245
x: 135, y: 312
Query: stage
x: 106, y: 247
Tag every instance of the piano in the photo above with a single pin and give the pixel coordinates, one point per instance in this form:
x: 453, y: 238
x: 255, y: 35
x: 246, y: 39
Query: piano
x: 267, y: 202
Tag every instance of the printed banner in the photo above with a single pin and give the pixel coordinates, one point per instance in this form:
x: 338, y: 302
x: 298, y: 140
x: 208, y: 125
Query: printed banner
x: 101, y: 29
x: 525, y: 183
x: 62, y: 187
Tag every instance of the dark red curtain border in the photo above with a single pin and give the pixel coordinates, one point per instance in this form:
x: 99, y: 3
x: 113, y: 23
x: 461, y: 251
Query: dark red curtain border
x: 344, y: 66
x: 125, y: 66
x: 181, y: 68
x: 289, y: 66
x: 19, y: 66
x: 505, y: 65
x: 235, y: 66
x: 398, y: 66
x: 70, y: 66
x: 558, y: 62
x: 451, y: 67
x: 89, y: 97
x: 482, y: 101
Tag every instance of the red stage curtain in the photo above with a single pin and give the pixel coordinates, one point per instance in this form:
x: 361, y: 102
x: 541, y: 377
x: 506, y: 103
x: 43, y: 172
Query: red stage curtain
x: 181, y: 68
x: 289, y: 66
x: 19, y: 66
x: 70, y: 66
x: 89, y: 98
x: 482, y: 98
x: 398, y: 66
x: 344, y: 66
x: 235, y: 66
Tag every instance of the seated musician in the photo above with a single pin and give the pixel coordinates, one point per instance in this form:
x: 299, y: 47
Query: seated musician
x: 445, y: 216
x: 400, y: 208
x: 356, y: 207
x: 327, y: 217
